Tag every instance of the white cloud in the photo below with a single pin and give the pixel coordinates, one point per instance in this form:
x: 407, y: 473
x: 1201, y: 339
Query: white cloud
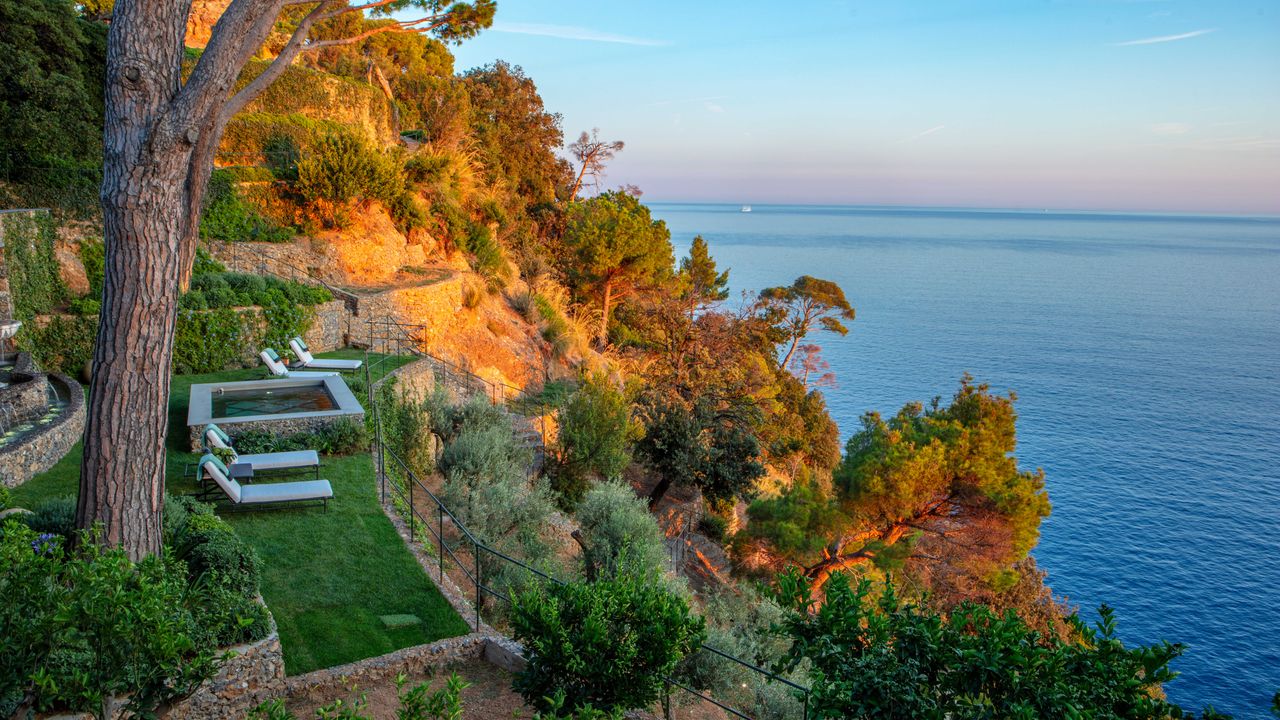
x: 1166, y: 38
x: 570, y: 32
x: 1171, y: 128
x: 712, y: 107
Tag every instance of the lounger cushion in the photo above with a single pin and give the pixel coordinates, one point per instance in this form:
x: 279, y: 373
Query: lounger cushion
x: 334, y: 364
x: 281, y: 460
x: 284, y: 492
x: 216, y: 438
x: 218, y: 471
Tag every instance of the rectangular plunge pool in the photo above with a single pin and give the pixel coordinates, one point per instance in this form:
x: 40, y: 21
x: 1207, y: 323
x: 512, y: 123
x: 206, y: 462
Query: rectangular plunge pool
x: 282, y: 406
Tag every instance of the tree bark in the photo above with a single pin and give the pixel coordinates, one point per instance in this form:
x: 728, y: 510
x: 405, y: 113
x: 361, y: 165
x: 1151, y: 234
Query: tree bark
x: 659, y: 490
x: 821, y: 572
x: 144, y: 202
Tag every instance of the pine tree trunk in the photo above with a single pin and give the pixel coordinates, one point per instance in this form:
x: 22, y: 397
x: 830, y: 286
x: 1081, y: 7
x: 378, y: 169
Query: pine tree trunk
x: 604, y: 314
x: 145, y: 195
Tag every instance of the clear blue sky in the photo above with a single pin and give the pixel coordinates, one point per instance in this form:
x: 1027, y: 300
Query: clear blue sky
x: 1108, y: 104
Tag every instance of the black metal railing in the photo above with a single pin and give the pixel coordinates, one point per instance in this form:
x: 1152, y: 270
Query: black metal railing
x: 430, y: 520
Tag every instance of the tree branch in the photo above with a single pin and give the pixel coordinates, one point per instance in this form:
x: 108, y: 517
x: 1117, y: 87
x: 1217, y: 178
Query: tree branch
x: 277, y: 66
x: 406, y: 26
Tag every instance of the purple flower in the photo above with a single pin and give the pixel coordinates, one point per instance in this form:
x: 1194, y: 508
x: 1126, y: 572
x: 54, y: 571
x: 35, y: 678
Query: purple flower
x: 45, y: 543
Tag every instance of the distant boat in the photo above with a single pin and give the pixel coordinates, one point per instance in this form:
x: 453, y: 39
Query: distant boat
x: 746, y: 208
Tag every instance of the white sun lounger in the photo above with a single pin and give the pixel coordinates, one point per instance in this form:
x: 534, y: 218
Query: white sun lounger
x: 279, y: 369
x: 214, y: 437
x: 265, y: 493
x: 303, y: 353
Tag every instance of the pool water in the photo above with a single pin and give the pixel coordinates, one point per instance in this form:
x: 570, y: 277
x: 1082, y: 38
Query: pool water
x: 243, y: 403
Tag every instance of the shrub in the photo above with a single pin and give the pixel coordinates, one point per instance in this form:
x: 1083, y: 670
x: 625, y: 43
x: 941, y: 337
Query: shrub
x: 486, y: 255
x: 216, y: 555
x: 609, y: 643
x: 64, y: 345
x: 616, y: 527
x: 522, y: 303
x: 227, y: 216
x: 83, y: 625
x: 406, y: 428
x: 225, y: 616
x: 207, y: 341
x: 342, y: 437
x: 714, y: 526
x: 874, y: 655
x: 56, y: 516
x: 343, y: 170
x: 448, y: 420
x: 472, y: 296
x: 596, y: 429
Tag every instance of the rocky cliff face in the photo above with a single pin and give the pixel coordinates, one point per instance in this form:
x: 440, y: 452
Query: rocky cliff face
x: 204, y: 15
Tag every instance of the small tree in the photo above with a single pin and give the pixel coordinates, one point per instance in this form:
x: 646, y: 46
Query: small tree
x: 592, y: 154
x: 798, y: 308
x: 594, y: 438
x: 712, y: 450
x: 608, y: 643
x: 616, y: 526
x: 616, y: 247
x: 701, y: 283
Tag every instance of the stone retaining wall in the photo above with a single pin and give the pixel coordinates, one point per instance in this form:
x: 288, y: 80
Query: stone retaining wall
x: 21, y: 461
x: 330, y: 682
x: 254, y: 675
x: 330, y: 328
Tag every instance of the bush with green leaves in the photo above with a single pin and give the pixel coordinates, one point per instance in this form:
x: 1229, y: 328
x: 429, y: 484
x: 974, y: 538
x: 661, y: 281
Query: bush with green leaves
x: 449, y: 418
x: 343, y: 436
x: 56, y: 516
x: 406, y: 428
x: 743, y: 623
x: 81, y: 625
x: 343, y: 170
x: 216, y: 555
x: 609, y: 643
x: 875, y: 655
x: 228, y: 216
x: 615, y: 526
x: 593, y: 441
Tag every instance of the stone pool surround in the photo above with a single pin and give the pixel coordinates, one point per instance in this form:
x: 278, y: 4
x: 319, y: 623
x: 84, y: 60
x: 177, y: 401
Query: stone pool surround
x: 26, y: 396
x: 36, y: 453
x: 200, y: 409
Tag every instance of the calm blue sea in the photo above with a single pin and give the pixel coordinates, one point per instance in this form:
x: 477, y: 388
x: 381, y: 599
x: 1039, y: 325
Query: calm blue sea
x: 1145, y: 352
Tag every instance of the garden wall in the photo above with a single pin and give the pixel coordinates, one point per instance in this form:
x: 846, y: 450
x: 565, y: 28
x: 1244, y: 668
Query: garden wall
x: 22, y: 460
x: 255, y: 674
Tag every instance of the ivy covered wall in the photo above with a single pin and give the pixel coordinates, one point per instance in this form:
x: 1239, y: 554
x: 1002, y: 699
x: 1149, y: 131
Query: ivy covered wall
x: 29, y: 265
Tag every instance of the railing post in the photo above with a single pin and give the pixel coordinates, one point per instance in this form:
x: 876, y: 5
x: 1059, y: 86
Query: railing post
x: 475, y: 548
x: 412, y: 534
x: 440, y: 538
x: 382, y: 462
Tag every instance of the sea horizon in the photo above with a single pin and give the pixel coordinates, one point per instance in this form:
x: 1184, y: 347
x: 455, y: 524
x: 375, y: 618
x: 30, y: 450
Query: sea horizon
x: 977, y: 209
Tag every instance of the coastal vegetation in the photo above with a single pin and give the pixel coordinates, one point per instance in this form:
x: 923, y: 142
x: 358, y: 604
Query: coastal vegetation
x: 892, y: 574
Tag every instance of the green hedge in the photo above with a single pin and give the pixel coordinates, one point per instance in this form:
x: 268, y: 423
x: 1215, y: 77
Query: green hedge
x: 34, y: 284
x: 204, y: 340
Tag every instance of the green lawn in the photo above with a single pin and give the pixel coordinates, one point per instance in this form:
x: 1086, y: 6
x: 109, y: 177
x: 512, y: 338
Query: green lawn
x: 327, y: 576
